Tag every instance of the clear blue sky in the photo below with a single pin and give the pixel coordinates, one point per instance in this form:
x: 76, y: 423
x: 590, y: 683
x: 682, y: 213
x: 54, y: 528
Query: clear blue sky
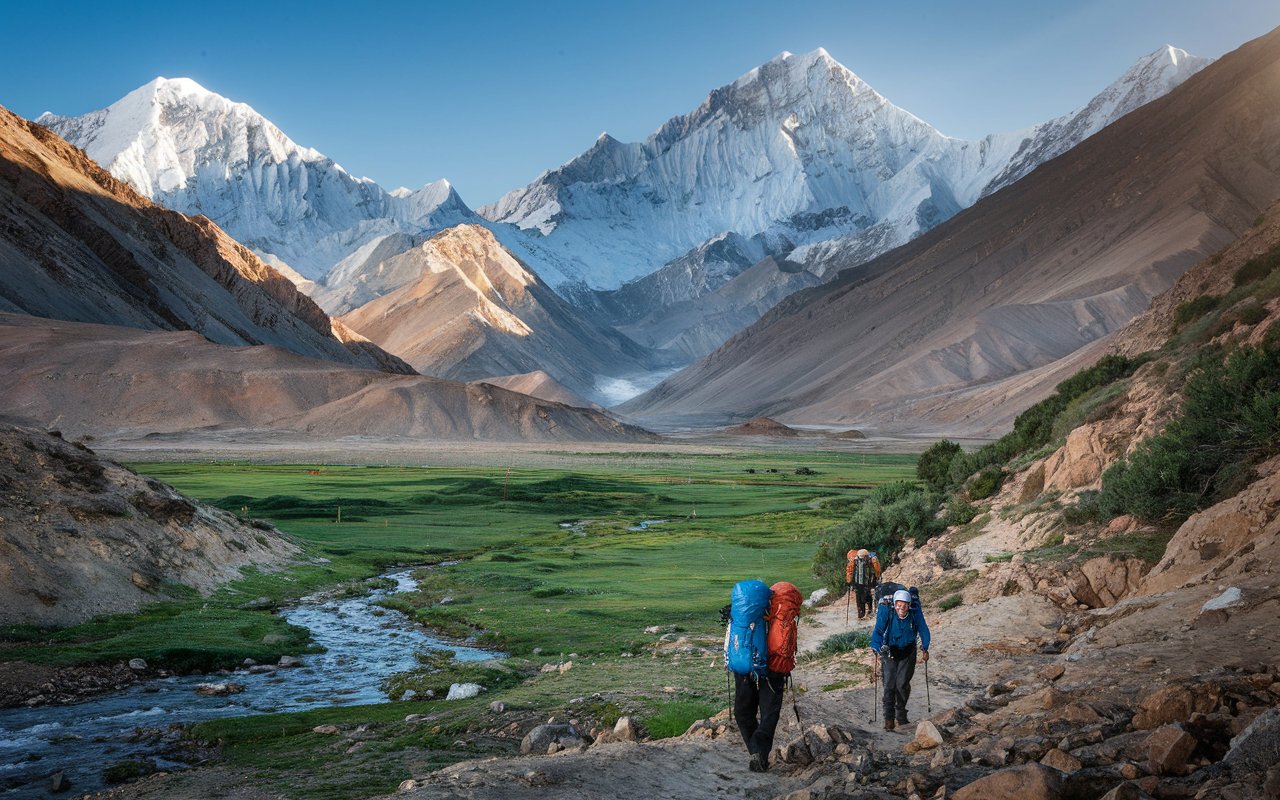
x: 490, y: 94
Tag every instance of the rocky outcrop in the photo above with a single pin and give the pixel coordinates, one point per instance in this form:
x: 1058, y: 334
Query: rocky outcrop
x: 1225, y: 538
x: 81, y: 536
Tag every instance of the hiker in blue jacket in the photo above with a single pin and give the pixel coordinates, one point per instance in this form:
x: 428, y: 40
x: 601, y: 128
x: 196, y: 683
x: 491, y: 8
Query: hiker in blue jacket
x: 893, y: 648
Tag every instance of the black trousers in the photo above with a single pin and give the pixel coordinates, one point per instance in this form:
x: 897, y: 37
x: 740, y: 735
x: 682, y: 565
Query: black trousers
x: 866, y: 604
x: 897, y: 671
x: 757, y: 704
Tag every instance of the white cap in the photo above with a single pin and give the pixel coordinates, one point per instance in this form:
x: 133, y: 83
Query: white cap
x: 903, y: 595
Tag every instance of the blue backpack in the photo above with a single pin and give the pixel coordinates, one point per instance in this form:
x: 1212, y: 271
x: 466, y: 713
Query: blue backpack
x: 746, y: 648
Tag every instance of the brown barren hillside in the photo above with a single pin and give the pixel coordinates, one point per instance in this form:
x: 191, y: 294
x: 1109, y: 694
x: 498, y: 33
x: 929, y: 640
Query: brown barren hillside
x: 962, y: 328
x: 476, y: 311
x: 125, y: 383
x: 77, y: 244
x: 81, y: 536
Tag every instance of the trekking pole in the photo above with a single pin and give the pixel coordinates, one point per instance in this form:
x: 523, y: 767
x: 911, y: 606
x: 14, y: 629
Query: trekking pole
x: 926, y: 686
x: 875, y: 686
x: 846, y: 606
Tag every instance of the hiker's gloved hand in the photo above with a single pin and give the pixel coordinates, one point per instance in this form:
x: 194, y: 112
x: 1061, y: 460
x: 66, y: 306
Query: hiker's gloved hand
x: 924, y: 655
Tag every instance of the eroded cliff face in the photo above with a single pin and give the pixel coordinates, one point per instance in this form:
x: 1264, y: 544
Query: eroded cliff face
x: 81, y: 536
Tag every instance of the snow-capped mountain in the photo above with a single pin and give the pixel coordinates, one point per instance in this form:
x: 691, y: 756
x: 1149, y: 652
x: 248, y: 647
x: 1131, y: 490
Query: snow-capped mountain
x: 801, y: 149
x: 199, y: 153
x: 1153, y: 76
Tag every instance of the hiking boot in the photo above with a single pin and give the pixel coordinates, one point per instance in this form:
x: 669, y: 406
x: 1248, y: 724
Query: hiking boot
x: 758, y: 763
x: 902, y: 719
x: 888, y: 723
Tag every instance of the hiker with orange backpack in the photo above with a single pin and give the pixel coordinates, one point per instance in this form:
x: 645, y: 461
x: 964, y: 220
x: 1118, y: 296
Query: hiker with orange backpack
x: 899, y: 621
x: 760, y: 648
x: 861, y: 575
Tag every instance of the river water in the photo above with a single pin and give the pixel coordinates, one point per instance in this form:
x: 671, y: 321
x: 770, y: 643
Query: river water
x: 363, y: 645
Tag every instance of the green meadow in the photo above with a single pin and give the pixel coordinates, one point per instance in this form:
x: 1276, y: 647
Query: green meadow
x: 544, y: 565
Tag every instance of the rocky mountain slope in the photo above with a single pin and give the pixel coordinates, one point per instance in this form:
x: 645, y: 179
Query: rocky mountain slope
x: 78, y: 244
x: 123, y: 383
x: 976, y: 319
x: 474, y: 311
x: 81, y: 536
x: 194, y: 151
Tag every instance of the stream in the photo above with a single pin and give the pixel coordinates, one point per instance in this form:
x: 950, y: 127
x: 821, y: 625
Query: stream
x: 364, y: 644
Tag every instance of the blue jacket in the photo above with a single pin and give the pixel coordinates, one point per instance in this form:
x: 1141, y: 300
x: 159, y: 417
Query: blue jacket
x: 899, y: 632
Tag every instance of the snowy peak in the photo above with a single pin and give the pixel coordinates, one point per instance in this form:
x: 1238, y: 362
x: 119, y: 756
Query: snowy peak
x: 157, y: 136
x: 1151, y: 77
x: 199, y: 153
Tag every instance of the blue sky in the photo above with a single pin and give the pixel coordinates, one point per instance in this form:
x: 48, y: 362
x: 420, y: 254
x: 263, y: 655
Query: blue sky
x: 490, y: 94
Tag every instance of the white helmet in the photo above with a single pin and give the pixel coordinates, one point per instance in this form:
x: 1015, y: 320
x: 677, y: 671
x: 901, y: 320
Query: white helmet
x: 903, y: 595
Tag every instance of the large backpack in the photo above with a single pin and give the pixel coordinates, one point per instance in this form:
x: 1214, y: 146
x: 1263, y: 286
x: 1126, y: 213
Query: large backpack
x: 864, y: 572
x: 746, y: 644
x: 784, y: 609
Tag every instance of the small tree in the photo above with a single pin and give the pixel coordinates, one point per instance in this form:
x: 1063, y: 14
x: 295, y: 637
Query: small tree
x: 934, y: 466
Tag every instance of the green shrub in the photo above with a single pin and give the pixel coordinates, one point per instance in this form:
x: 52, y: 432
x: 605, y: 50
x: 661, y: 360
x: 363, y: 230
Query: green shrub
x: 1002, y: 557
x: 847, y: 642
x: 934, y: 465
x: 950, y: 602
x: 986, y: 483
x: 959, y: 513
x: 1230, y: 421
x: 946, y: 559
x: 1257, y: 268
x: 1085, y: 510
x: 1195, y: 309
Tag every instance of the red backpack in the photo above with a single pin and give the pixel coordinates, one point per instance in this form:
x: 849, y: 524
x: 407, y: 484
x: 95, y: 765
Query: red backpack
x: 784, y: 609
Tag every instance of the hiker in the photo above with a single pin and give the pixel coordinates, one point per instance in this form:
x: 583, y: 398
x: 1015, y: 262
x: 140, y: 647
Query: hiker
x: 760, y: 647
x: 861, y: 576
x: 893, y: 650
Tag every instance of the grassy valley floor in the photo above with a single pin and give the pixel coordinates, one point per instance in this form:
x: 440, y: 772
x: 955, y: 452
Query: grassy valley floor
x: 545, y: 565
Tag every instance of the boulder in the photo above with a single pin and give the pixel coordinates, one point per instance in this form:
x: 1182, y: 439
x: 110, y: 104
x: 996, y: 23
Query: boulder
x: 327, y: 730
x: 288, y: 661
x: 540, y: 739
x: 565, y: 667
x: 1168, y: 750
x: 497, y: 706
x: 1051, y: 672
x: 1061, y: 761
x: 407, y: 785
x: 625, y: 730
x: 1257, y: 748
x: 927, y: 735
x: 461, y: 691
x: 1172, y: 704
x: 216, y: 689
x: 1027, y: 782
x: 817, y: 597
x: 137, y: 665
x: 59, y: 783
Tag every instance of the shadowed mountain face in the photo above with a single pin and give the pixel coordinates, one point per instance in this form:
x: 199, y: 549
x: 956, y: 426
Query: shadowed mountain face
x: 981, y: 316
x: 78, y: 244
x: 474, y: 311
x: 125, y: 383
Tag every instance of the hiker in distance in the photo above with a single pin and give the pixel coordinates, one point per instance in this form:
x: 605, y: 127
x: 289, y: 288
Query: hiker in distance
x: 893, y: 649
x: 760, y: 651
x: 861, y: 575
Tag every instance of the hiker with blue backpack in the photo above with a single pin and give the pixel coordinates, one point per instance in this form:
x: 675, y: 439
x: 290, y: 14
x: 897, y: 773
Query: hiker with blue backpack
x: 899, y: 621
x: 759, y: 650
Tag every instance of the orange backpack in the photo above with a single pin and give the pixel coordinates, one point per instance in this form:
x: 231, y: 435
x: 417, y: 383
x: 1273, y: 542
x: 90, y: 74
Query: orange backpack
x: 784, y: 608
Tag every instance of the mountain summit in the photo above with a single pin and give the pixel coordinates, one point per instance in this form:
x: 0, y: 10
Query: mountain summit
x: 197, y: 152
x: 801, y: 150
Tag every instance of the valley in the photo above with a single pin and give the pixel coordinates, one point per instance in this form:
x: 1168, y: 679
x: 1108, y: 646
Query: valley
x: 310, y: 488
